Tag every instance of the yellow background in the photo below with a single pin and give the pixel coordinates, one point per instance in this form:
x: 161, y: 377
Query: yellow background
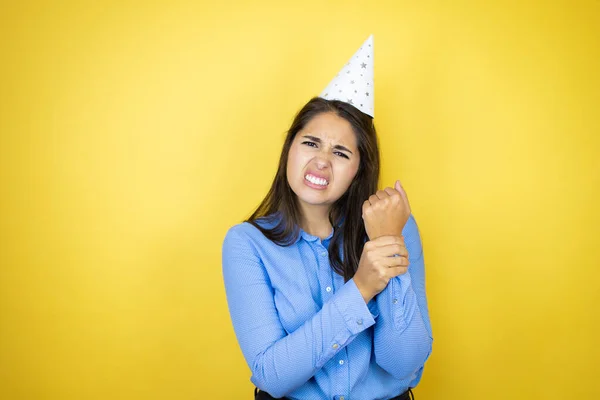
x: 134, y: 134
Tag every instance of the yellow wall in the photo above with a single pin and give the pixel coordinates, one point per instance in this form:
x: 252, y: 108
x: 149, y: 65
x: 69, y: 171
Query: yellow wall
x: 134, y: 135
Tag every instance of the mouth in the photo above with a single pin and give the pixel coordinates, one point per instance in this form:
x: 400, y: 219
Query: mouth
x: 315, y: 182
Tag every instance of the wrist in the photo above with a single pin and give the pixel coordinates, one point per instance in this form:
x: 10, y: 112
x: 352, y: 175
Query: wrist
x: 378, y: 234
x: 366, y: 295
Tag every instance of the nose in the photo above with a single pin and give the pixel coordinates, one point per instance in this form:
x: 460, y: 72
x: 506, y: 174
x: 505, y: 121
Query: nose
x: 322, y: 161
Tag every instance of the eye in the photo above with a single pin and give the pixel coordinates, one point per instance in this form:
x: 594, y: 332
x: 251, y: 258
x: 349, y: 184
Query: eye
x: 339, y: 153
x: 309, y: 143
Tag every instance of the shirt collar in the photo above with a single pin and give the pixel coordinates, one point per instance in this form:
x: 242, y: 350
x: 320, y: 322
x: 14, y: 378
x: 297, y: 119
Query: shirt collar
x: 311, y: 238
x: 275, y: 218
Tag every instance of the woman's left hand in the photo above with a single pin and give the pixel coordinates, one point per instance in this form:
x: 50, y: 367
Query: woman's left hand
x: 386, y: 212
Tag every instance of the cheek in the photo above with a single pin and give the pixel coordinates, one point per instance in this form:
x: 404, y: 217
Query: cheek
x: 347, y: 172
x: 297, y: 159
x: 294, y: 163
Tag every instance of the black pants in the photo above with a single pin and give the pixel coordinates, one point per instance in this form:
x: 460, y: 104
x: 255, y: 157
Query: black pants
x: 260, y: 395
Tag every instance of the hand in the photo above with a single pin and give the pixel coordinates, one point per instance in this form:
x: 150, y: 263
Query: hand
x: 386, y: 212
x: 378, y: 265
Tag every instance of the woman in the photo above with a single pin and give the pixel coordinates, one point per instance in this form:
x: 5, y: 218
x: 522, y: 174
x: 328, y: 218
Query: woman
x: 325, y: 281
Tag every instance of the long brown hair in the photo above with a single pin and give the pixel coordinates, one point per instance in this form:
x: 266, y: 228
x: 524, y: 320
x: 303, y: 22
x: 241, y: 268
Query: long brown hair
x: 345, y: 214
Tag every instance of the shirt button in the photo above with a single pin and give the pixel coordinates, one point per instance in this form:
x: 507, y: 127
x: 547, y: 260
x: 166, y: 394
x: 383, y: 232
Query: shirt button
x: 328, y: 288
x: 341, y: 362
x: 395, y: 301
x: 324, y: 253
x: 359, y: 321
x: 342, y: 397
x: 335, y: 346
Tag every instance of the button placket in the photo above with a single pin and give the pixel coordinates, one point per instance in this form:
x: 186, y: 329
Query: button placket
x: 324, y: 270
x: 342, y: 373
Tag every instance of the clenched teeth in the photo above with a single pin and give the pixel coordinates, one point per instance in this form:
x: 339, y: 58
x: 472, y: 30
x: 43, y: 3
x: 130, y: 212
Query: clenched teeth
x: 315, y: 180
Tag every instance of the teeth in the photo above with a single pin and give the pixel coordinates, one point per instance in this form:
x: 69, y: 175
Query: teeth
x: 316, y: 181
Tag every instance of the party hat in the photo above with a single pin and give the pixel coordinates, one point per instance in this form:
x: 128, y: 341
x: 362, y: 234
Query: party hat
x: 354, y: 83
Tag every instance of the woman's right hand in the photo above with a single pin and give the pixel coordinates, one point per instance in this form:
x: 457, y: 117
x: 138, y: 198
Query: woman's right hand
x: 378, y: 265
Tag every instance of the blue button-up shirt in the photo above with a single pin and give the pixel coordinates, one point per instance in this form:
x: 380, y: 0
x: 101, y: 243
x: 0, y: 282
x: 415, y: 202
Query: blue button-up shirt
x: 306, y: 334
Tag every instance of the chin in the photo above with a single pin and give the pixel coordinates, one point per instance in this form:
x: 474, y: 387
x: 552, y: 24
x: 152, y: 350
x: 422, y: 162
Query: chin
x: 317, y: 200
x: 313, y: 200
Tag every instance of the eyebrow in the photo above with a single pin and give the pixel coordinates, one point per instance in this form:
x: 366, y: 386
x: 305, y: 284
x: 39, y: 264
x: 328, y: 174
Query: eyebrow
x: 337, y: 146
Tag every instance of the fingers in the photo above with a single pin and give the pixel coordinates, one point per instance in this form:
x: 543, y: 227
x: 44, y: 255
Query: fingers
x: 365, y: 205
x: 387, y: 240
x: 382, y: 194
x: 396, y: 271
x: 389, y: 250
x: 394, y: 247
x: 379, y: 196
x: 394, y: 262
x: 391, y: 192
x: 392, y: 250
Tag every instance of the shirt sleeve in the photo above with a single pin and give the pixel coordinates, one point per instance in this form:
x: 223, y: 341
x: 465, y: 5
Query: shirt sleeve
x: 281, y: 362
x: 402, y: 337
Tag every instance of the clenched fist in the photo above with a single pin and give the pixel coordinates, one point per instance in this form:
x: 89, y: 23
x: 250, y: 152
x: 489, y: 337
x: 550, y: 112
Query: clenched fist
x: 386, y: 212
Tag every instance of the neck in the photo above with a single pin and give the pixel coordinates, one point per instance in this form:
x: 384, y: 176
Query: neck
x: 315, y: 221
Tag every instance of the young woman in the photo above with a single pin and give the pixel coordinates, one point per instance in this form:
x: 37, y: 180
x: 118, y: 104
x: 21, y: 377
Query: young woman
x: 325, y: 282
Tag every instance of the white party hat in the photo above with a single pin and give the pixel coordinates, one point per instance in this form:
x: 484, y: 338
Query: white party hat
x: 354, y: 83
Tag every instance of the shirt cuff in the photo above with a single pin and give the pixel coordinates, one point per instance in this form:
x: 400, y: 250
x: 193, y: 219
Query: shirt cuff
x: 402, y: 301
x: 373, y: 308
x: 351, y: 305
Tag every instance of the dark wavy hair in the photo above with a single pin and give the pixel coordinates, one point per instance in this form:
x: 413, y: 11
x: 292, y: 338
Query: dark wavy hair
x: 345, y: 214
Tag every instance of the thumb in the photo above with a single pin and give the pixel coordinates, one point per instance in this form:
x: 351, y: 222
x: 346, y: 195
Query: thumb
x: 398, y: 186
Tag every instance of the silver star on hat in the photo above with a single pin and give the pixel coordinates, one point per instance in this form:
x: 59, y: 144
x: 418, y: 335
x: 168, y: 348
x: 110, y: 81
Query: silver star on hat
x: 354, y: 83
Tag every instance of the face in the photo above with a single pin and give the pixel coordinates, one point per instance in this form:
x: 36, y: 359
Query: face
x: 323, y: 160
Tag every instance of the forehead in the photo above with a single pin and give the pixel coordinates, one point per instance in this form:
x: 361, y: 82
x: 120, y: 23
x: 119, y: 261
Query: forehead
x: 331, y: 128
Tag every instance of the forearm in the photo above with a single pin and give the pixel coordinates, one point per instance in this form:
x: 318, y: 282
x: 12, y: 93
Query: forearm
x: 287, y: 363
x: 402, y: 335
